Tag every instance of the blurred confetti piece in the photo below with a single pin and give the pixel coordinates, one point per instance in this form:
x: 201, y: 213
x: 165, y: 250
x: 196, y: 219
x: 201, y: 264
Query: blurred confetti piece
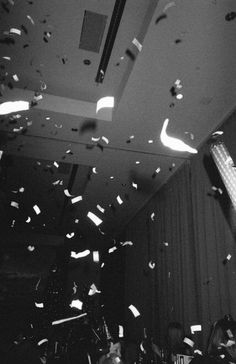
x: 195, y: 328
x: 174, y: 143
x: 80, y: 254
x: 15, y: 31
x: 56, y: 164
x: 36, y: 209
x: 150, y: 141
x: 111, y: 250
x: 41, y: 342
x: 134, y: 310
x: 76, y: 221
x: 158, y: 170
x: 100, y: 208
x: 15, y: 78
x: 93, y: 290
x: 76, y: 304
x: 15, y: 204
x: 152, y: 216
x: 28, y: 219
x: 227, y: 259
x: 135, y: 185
x: 95, y: 139
x: 119, y: 200
x: 106, y: 140
x: 165, y: 243
x: 31, y: 248
x: 130, y: 138
x: 102, y: 265
x: 94, y: 170
x: 137, y: 44
x: 61, y: 321
x: 76, y: 199
x: 151, y: 264
x: 39, y: 305
x: 168, y: 6
x: 1, y: 153
x: 189, y: 342
x: 13, y: 106
x: 97, y: 221
x: 219, y: 132
x: 21, y: 189
x: 74, y: 288
x: 137, y: 162
x: 30, y: 19
x: 70, y: 235
x: 179, y: 96
x: 96, y: 256
x: 127, y: 243
x: 67, y: 193
x: 7, y: 58
x: 105, y: 102
x: 190, y: 134
x: 121, y: 331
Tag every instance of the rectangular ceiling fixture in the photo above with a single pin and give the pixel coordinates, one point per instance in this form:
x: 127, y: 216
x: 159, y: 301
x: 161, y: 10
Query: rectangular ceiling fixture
x: 92, y: 31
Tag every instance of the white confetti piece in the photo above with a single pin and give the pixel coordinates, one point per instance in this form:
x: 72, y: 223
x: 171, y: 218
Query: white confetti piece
x: 174, y: 143
x: 21, y: 189
x: 93, y: 290
x: 58, y: 182
x: 105, y: 102
x: 137, y: 44
x: 127, y: 243
x: 76, y: 221
x: 150, y: 141
x: 137, y: 162
x: 179, y: 96
x: 119, y: 200
x: 152, y: 216
x: 31, y: 248
x: 77, y: 304
x: 106, y: 140
x: 219, y: 132
x: 39, y: 305
x: 7, y: 58
x: 17, y: 130
x: 1, y: 153
x: 111, y: 250
x: 121, y: 331
x: 188, y: 342
x: 38, y: 97
x: 76, y: 199
x: 80, y: 254
x: 96, y: 256
x: 158, y: 170
x: 100, y: 208
x: 70, y: 235
x: 67, y: 193
x: 165, y: 243
x: 56, y: 164
x: 74, y: 288
x: 41, y: 342
x: 29, y: 17
x: 97, y: 221
x: 229, y: 256
x: 135, y: 185
x: 102, y: 232
x: 15, y: 78
x: 95, y: 139
x: 15, y: 31
x: 94, y: 170
x: 195, y: 328
x: 111, y: 177
x: 134, y: 310
x: 61, y: 321
x: 13, y: 106
x: 151, y: 264
x: 15, y: 204
x: 168, y: 6
x: 36, y: 209
x: 102, y: 265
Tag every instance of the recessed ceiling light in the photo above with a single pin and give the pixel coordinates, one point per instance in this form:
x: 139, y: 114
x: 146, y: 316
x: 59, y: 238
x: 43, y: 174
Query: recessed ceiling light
x: 87, y: 62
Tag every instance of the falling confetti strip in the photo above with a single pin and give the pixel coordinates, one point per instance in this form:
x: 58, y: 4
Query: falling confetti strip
x: 135, y: 185
x: 70, y: 235
x: 30, y: 19
x: 15, y: 31
x: 39, y: 305
x: 195, y: 328
x: 105, y: 102
x: 151, y: 264
x: 41, y: 342
x: 61, y: 321
x: 76, y: 304
x: 56, y: 164
x: 15, y: 204
x: 217, y: 133
x: 67, y: 193
x: 152, y: 216
x: 168, y: 6
x: 28, y: 219
x: 119, y: 200
x: 97, y: 221
x: 95, y: 139
x: 76, y: 199
x: 106, y: 140
x: 96, y: 256
x: 134, y: 310
x: 127, y: 243
x: 31, y: 248
x: 36, y: 209
x: 227, y: 259
x: 80, y: 255
x: 94, y: 170
x: 100, y: 208
x: 93, y: 290
x: 137, y: 44
x: 111, y: 250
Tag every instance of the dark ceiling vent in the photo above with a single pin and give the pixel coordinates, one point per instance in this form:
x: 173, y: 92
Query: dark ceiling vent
x: 92, y: 31
x: 110, y: 39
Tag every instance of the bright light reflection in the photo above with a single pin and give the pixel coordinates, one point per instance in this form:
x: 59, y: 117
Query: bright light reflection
x: 107, y: 101
x: 13, y: 106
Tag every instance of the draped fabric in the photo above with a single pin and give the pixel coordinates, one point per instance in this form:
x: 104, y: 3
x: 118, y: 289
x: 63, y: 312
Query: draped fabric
x: 189, y: 239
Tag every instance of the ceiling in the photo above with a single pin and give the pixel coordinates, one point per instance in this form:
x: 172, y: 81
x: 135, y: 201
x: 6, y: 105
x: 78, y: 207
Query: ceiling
x: 192, y: 42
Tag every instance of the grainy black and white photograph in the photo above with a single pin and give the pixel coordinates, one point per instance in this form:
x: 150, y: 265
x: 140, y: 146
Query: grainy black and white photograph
x: 117, y: 181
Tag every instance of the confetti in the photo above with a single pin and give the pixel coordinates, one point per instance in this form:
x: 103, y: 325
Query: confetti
x: 127, y: 243
x: 152, y: 216
x: 165, y: 243
x: 195, y: 328
x: 105, y: 102
x: 179, y: 96
x: 39, y: 305
x: 76, y: 221
x: 100, y: 208
x: 7, y: 58
x: 95, y: 139
x: 97, y: 221
x: 29, y: 17
x: 102, y: 265
x: 76, y: 199
x: 15, y: 31
x: 134, y: 310
x: 219, y: 132
x: 36, y: 209
x: 137, y: 162
x: 41, y: 342
x: 15, y: 204
x: 13, y: 106
x: 74, y: 288
x: 111, y: 250
x: 93, y: 290
x: 70, y: 235
x: 151, y: 264
x: 56, y: 164
x: 67, y: 193
x: 227, y: 259
x: 161, y: 17
x: 188, y: 342
x: 135, y: 185
x: 137, y: 44
x: 121, y: 331
x: 130, y: 138
x: 190, y: 134
x: 105, y: 140
x: 168, y: 6
x: 150, y: 141
x: 119, y: 200
x: 174, y: 143
x: 76, y: 304
x: 61, y: 321
x: 1, y: 154
x: 31, y: 248
x: 80, y: 254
